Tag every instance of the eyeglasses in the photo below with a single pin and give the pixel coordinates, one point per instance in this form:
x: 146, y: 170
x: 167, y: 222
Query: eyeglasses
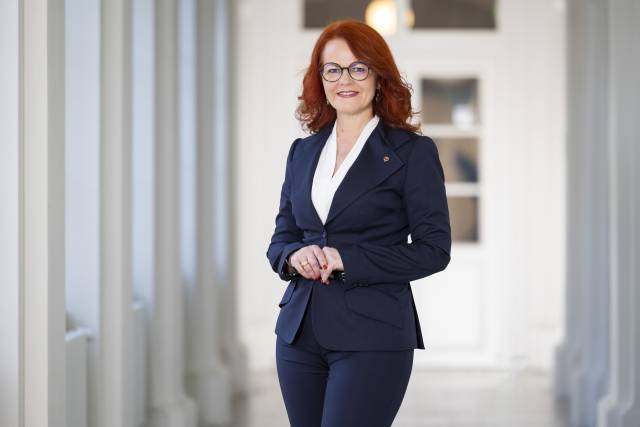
x: 332, y: 72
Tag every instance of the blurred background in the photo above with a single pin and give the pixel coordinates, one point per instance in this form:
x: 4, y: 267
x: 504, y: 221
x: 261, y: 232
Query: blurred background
x: 142, y: 153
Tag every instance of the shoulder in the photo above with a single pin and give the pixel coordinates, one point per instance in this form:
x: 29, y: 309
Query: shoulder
x: 292, y: 149
x: 423, y: 158
x: 408, y: 144
x: 306, y: 139
x: 423, y: 144
x: 419, y: 153
x: 303, y: 144
x: 398, y: 137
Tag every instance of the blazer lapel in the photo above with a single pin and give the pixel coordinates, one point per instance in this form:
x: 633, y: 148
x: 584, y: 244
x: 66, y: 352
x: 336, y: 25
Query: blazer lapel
x: 312, y: 151
x: 374, y: 164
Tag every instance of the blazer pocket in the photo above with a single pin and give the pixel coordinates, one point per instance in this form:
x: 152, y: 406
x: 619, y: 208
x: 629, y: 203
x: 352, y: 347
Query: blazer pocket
x: 287, y: 293
x: 375, y: 304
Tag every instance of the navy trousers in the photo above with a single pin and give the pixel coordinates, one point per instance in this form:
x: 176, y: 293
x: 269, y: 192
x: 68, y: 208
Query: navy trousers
x: 326, y: 388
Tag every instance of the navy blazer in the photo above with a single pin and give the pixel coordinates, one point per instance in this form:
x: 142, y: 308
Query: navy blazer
x: 394, y: 187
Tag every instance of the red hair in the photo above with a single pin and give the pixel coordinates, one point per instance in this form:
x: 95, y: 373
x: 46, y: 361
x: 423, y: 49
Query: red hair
x: 394, y: 106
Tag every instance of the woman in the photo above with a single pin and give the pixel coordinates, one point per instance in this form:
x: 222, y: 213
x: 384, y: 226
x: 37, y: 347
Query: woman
x: 353, y: 191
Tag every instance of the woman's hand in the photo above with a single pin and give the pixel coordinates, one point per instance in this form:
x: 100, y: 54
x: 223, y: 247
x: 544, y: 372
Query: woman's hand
x: 313, y: 262
x: 308, y: 261
x: 334, y: 262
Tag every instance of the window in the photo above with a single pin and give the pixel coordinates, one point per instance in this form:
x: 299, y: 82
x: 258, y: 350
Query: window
x: 451, y: 116
x: 454, y: 14
x: 418, y: 14
x: 319, y: 13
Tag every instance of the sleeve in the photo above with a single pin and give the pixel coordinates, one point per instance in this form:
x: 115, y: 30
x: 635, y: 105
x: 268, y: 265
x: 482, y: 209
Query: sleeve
x: 287, y: 237
x: 426, y: 206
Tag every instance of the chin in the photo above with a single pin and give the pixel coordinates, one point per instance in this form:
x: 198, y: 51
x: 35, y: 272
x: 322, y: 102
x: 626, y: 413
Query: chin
x: 349, y: 109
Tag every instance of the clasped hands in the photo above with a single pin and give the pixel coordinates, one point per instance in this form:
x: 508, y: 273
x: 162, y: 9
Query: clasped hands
x: 316, y: 263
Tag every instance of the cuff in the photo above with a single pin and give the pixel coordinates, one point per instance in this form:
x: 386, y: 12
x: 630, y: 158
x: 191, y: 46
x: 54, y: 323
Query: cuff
x: 351, y: 261
x: 282, y: 265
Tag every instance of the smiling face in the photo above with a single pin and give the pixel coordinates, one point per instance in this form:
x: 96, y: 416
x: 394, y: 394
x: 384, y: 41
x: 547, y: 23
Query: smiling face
x: 362, y: 92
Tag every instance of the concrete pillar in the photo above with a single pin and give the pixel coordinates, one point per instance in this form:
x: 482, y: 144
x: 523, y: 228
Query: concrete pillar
x: 143, y: 92
x: 170, y: 407
x: 208, y: 380
x: 11, y: 308
x: 234, y: 352
x: 582, y: 362
x: 588, y: 221
x: 115, y: 295
x: 569, y: 351
x: 621, y: 406
x: 98, y: 171
x: 82, y: 169
x: 42, y: 214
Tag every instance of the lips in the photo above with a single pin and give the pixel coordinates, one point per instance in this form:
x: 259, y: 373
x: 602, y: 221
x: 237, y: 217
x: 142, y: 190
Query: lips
x: 347, y: 93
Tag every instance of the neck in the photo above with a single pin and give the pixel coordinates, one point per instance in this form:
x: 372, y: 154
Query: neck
x: 349, y: 124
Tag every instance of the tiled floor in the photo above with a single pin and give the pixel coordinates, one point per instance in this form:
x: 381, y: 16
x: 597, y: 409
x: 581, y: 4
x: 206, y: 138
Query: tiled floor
x: 437, y: 398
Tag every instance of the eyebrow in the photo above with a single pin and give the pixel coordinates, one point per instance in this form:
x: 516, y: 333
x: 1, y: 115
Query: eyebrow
x: 332, y: 62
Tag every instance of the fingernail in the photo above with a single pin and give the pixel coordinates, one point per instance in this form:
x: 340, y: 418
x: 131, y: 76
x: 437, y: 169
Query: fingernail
x: 324, y: 266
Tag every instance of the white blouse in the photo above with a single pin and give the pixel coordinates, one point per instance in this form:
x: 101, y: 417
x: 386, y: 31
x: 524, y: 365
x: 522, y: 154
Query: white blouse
x: 324, y: 185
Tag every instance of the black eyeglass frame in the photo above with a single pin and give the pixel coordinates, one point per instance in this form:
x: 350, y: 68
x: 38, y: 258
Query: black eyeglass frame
x: 348, y: 68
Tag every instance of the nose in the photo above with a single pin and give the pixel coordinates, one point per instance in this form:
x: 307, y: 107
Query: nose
x: 345, y: 73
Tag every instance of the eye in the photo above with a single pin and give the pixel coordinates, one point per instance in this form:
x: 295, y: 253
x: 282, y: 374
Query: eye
x: 359, y: 67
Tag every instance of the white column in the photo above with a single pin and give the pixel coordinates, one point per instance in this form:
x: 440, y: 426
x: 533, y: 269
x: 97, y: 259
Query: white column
x: 143, y: 146
x: 234, y: 352
x: 568, y: 352
x: 11, y: 308
x: 169, y: 405
x: 589, y: 219
x: 621, y: 406
x: 115, y: 216
x: 82, y: 169
x: 42, y: 243
x: 99, y: 200
x: 208, y: 380
x: 143, y: 194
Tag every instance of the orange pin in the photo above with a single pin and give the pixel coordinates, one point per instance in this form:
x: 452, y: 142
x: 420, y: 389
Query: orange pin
x: 385, y: 158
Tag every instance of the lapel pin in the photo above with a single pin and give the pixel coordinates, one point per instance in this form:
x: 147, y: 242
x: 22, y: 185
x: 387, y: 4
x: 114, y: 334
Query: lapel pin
x: 385, y: 158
